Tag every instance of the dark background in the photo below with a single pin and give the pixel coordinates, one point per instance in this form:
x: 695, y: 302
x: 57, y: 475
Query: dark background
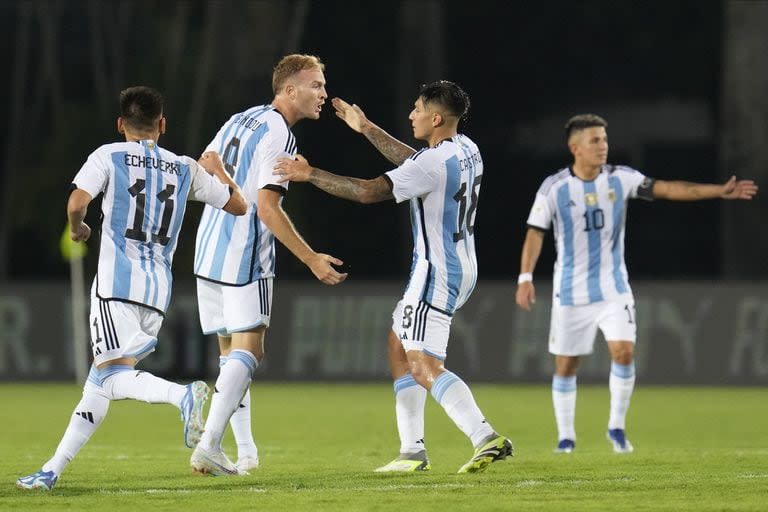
x: 653, y: 68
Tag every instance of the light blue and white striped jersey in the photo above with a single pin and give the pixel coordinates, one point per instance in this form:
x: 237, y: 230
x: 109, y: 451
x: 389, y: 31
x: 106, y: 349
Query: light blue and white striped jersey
x: 589, y: 221
x: 443, y: 185
x: 239, y: 250
x: 146, y: 189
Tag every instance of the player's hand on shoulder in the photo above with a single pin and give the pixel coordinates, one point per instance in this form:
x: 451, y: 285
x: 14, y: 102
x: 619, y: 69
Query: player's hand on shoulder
x: 290, y: 169
x: 320, y: 264
x: 741, y: 189
x: 80, y: 233
x: 211, y: 161
x: 525, y: 295
x: 350, y: 114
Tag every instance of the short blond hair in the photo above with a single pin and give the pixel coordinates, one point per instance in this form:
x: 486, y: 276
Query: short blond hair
x: 291, y: 65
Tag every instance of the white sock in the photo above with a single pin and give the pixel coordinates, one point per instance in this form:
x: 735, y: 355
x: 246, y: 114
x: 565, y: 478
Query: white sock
x: 410, y: 399
x: 564, y: 402
x: 454, y: 395
x: 241, y: 423
x: 121, y: 382
x: 621, y: 383
x: 86, y: 418
x: 234, y: 379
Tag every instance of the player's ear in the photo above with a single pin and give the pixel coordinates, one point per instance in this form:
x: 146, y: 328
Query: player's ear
x: 437, y: 119
x: 120, y: 126
x: 162, y: 125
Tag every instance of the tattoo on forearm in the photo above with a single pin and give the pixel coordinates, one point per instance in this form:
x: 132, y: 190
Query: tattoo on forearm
x: 392, y: 149
x: 352, y: 189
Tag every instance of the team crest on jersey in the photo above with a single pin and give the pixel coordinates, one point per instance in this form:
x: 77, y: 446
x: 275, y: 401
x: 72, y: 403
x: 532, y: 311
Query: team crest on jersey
x: 612, y: 195
x: 590, y: 198
x: 150, y: 144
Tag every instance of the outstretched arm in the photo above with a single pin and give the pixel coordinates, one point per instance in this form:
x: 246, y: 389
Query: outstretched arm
x: 272, y: 214
x: 353, y: 189
x: 687, y: 191
x: 526, y: 293
x: 392, y: 149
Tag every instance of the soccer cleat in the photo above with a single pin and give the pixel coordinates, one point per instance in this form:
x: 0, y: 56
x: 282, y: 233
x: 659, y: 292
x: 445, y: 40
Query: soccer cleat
x: 43, y: 480
x: 619, y: 440
x: 212, y: 463
x: 407, y: 463
x: 565, y: 446
x: 493, y: 449
x: 192, y: 412
x: 247, y: 463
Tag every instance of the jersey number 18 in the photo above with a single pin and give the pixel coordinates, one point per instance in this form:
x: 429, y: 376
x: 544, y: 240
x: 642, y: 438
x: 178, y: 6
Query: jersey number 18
x: 460, y: 197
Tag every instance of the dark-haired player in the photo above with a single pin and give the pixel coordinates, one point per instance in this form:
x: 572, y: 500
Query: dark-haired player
x: 442, y: 182
x: 586, y: 203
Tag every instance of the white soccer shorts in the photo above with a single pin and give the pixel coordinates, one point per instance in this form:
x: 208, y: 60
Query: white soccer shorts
x: 421, y: 327
x: 122, y: 329
x: 227, y: 309
x: 573, y: 328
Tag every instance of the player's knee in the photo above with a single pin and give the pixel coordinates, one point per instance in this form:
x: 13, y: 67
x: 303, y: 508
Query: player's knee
x: 420, y: 374
x: 624, y: 355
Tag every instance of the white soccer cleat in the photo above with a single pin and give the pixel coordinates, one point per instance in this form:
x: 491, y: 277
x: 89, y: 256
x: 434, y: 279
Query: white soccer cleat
x: 192, y: 412
x: 247, y: 463
x: 619, y: 440
x: 213, y: 463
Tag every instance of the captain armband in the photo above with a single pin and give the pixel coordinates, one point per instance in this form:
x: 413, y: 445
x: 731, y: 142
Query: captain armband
x: 645, y: 189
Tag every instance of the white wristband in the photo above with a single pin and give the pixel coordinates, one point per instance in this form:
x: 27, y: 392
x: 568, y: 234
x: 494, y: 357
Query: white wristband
x: 525, y: 277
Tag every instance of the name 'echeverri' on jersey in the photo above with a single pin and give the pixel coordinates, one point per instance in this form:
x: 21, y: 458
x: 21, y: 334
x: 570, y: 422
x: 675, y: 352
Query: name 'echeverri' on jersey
x: 589, y: 223
x: 146, y: 189
x: 443, y: 185
x: 239, y: 250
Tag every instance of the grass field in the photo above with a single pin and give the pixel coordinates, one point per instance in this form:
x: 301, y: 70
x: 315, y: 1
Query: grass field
x: 695, y: 449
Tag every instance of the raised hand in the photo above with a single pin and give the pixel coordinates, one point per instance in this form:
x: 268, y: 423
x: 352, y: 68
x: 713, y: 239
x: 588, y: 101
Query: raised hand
x: 741, y: 189
x: 289, y: 169
x: 350, y: 114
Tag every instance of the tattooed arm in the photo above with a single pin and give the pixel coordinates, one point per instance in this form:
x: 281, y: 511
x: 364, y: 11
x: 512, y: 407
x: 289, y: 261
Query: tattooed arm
x: 353, y: 189
x: 392, y: 149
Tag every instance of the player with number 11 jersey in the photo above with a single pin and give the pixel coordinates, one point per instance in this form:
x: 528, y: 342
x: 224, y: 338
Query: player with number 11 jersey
x: 146, y: 189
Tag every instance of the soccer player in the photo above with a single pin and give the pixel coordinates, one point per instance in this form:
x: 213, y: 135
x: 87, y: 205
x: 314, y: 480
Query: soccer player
x: 442, y: 182
x: 587, y: 204
x: 145, y: 189
x: 235, y: 256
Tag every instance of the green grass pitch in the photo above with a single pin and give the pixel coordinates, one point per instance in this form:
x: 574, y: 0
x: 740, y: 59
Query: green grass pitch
x: 696, y: 449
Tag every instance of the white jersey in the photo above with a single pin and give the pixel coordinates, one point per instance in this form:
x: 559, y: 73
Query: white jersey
x: 146, y: 189
x: 589, y: 222
x: 239, y: 250
x: 443, y: 184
